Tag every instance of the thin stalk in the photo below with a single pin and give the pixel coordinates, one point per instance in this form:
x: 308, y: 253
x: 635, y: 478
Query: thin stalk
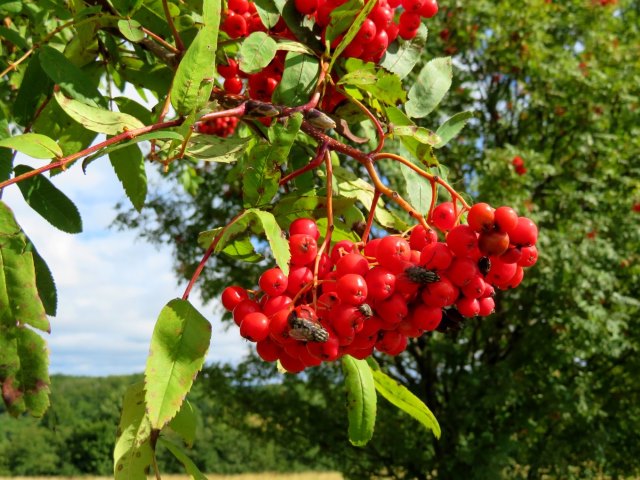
x: 372, y: 212
x: 161, y: 41
x: 327, y: 237
x: 172, y: 26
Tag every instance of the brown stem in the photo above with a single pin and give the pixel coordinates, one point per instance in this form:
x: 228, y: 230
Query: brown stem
x: 327, y: 238
x: 128, y: 135
x: 317, y: 160
x: 371, y: 116
x: 172, y: 26
x: 161, y: 41
x: 372, y: 212
x: 231, y: 112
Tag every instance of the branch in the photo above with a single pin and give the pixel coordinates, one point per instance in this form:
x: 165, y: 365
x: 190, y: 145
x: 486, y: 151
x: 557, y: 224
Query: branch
x: 124, y: 136
x: 172, y: 26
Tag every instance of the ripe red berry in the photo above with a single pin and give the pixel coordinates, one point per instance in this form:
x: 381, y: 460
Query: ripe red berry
x: 529, y: 256
x: 500, y: 272
x: 381, y: 283
x: 412, y: 6
x: 274, y: 304
x: 352, y: 263
x: 352, y: 289
x: 303, y: 249
x: 268, y: 350
x: 429, y: 8
x: 238, y: 6
x: 443, y: 216
x: 273, y: 282
x: 390, y: 341
x: 493, y: 243
x: 525, y: 234
x: 233, y: 85
x: 367, y: 32
x: 462, y: 240
x: 440, y: 294
x: 425, y: 318
x: 462, y: 270
x: 481, y: 217
x: 506, y: 219
x: 421, y: 237
x: 342, y: 248
x: 255, y: 326
x: 487, y: 306
x: 393, y: 310
x: 298, y: 278
x: 243, y: 308
x: 468, y: 307
x: 235, y: 26
x: 436, y: 256
x: 291, y: 364
x: 409, y: 21
x: 392, y: 252
x: 232, y: 296
x: 229, y: 70
x: 306, y: 226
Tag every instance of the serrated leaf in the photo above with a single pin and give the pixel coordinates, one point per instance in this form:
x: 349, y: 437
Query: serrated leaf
x: 452, y: 127
x: 132, y: 455
x: 217, y: 149
x: 131, y: 29
x: 185, y: 423
x: 73, y: 82
x: 421, y: 151
x: 419, y: 134
x: 401, y: 57
x: 178, y: 347
x: 262, y: 168
x: 358, y: 78
x: 419, y: 191
x: 70, y: 135
x: 361, y: 400
x: 268, y: 12
x: 298, y: 81
x: 33, y: 144
x: 405, y: 400
x: 342, y: 18
x: 193, y: 79
x: 34, y: 87
x: 53, y: 205
x: 238, y: 248
x: 352, y: 32
x: 256, y: 221
x: 191, y: 468
x: 44, y: 282
x: 97, y: 119
x: 432, y: 84
x: 293, y: 46
x: 256, y: 52
x: 128, y: 163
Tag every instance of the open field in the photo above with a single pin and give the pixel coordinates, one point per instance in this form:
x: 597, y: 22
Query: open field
x: 244, y: 476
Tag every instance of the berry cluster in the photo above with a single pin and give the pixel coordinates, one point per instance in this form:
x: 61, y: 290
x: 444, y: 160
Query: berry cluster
x: 221, y: 127
x: 376, y: 33
x: 392, y: 289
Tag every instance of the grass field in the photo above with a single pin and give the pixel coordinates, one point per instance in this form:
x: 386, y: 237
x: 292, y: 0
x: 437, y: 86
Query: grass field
x: 244, y: 476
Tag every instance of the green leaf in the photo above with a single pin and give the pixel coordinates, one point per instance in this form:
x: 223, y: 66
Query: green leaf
x: 193, y: 79
x: 358, y: 78
x: 217, y: 149
x: 310, y: 206
x: 73, y: 82
x: 256, y: 221
x: 361, y: 400
x: 14, y: 37
x: 70, y: 135
x: 293, y: 46
x: 262, y: 168
x: 342, y: 18
x: 385, y: 87
x: 131, y: 30
x: 185, y: 423
x: 452, y: 127
x: 33, y: 144
x: 352, y: 32
x: 405, y: 400
x: 419, y: 134
x: 97, y: 119
x: 178, y: 347
x: 299, y: 80
x: 237, y: 247
x: 256, y: 52
x: 401, y: 57
x: 419, y: 191
x: 421, y: 151
x: 294, y: 21
x: 126, y: 7
x: 159, y: 135
x: 24, y: 376
x: 132, y: 455
x: 178, y: 452
x: 432, y: 84
x: 128, y: 163
x: 44, y: 282
x: 34, y: 87
x: 268, y: 12
x: 53, y: 205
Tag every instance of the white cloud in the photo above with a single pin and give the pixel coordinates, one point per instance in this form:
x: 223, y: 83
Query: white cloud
x: 111, y: 287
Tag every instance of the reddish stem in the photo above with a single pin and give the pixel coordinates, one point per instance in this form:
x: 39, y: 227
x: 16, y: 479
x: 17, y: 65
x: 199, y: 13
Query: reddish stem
x: 372, y: 212
x: 172, y: 26
x: 128, y: 135
x: 310, y: 166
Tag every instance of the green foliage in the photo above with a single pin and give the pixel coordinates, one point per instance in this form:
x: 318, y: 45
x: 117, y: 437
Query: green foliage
x: 361, y: 400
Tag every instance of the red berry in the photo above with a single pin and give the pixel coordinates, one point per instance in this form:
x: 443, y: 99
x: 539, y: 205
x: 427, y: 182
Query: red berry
x: 232, y: 296
x: 462, y: 270
x: 393, y: 310
x: 366, y: 33
x: 235, y: 26
x: 529, y: 256
x: 429, y: 8
x: 500, y: 272
x: 352, y: 263
x: 371, y: 247
x: 306, y: 226
x: 493, y: 243
x: 327, y: 351
x: 274, y: 304
x: 381, y: 16
x: 436, y: 256
x: 412, y: 6
x: 298, y: 278
x: 229, y: 70
x: 487, y: 306
x: 352, y: 289
x: 238, y: 6
x: 306, y: 7
x: 255, y: 326
x: 440, y: 294
x: 243, y: 308
x: 390, y: 341
x: 506, y: 219
x: 381, y: 283
x: 481, y: 217
x: 426, y: 318
x: 340, y: 249
x: 443, y: 216
x: 525, y: 234
x: 468, y: 307
x: 392, y: 252
x: 303, y: 249
x: 290, y: 364
x: 268, y: 350
x: 421, y: 237
x: 273, y: 282
x: 475, y: 288
x: 409, y: 21
x: 462, y: 240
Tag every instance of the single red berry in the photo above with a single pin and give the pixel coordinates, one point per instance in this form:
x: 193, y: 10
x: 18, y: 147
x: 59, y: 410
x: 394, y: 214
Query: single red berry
x: 235, y: 26
x: 390, y: 341
x: 511, y: 255
x: 529, y: 256
x: 381, y: 283
x: 238, y: 6
x: 303, y: 249
x: 429, y: 8
x: 487, y: 306
x: 352, y: 289
x: 506, y: 219
x: 327, y: 351
x: 291, y: 364
x: 493, y: 243
x: 273, y: 282
x: 298, y: 278
x: 243, y: 308
x: 232, y: 296
x: 440, y: 294
x: 412, y: 6
x: 481, y: 217
x: 352, y: 263
x: 392, y: 252
x: 436, y: 256
x: 443, y: 216
x: 371, y: 247
x: 475, y: 288
x: 366, y: 33
x: 274, y: 304
x: 426, y: 318
x: 421, y: 237
x: 525, y: 234
x: 462, y: 240
x: 268, y: 350
x: 229, y: 70
x: 409, y: 21
x: 342, y: 248
x: 500, y: 272
x: 255, y: 326
x: 381, y: 16
x: 392, y: 31
x: 393, y: 310
x: 462, y: 270
x: 306, y: 226
x: 468, y: 307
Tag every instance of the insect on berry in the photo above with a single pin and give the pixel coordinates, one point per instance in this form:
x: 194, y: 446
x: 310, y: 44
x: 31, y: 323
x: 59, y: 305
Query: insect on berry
x: 304, y: 325
x: 421, y: 275
x: 365, y: 309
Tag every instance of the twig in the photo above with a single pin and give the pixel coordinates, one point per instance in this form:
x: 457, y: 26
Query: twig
x: 161, y: 41
x: 128, y: 135
x: 172, y: 26
x: 372, y: 212
x: 327, y: 237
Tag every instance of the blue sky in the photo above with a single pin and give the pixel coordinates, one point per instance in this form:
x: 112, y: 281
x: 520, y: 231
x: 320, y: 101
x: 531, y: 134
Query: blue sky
x: 111, y: 286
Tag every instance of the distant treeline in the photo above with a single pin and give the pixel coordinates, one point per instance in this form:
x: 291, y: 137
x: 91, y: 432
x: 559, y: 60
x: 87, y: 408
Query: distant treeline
x: 247, y: 423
